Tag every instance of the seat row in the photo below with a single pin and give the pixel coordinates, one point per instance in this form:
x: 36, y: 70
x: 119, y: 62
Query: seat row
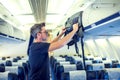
x: 62, y: 65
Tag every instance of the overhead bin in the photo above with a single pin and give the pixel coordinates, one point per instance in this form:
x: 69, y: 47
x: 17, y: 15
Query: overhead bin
x: 108, y: 26
x: 8, y: 26
x: 9, y: 32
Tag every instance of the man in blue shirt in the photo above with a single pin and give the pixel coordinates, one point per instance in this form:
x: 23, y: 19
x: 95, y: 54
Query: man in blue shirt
x: 38, y: 53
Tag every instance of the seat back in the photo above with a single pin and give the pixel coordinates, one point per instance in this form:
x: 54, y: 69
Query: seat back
x: 113, y: 73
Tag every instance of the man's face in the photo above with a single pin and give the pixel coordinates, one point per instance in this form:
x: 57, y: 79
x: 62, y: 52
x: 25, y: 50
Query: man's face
x: 44, y: 34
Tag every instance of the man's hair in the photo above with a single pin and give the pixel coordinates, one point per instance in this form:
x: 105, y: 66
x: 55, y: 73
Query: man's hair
x: 36, y: 28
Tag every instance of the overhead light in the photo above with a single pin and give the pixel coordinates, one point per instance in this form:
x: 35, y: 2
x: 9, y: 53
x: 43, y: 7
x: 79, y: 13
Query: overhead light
x: 26, y: 19
x: 17, y: 6
x: 103, y: 5
x: 87, y: 4
x: 59, y: 6
x: 53, y: 19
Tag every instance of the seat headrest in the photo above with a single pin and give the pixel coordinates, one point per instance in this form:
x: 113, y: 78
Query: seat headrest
x: 2, y: 68
x: 13, y: 69
x: 4, y: 75
x: 77, y: 75
x: 8, y: 63
x: 113, y: 73
x: 12, y: 76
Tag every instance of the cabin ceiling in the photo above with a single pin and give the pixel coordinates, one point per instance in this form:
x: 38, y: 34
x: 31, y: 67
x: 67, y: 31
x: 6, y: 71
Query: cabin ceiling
x: 49, y: 11
x: 36, y: 11
x: 53, y: 12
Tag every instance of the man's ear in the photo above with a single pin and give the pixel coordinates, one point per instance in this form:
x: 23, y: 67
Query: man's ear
x: 38, y: 34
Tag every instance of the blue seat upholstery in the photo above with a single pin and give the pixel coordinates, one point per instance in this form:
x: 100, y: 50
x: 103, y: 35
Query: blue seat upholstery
x: 97, y: 75
x: 18, y: 70
x: 60, y: 63
x: 65, y: 68
x: 99, y: 66
x: 116, y: 65
x: 8, y: 63
x: 108, y: 65
x: 2, y: 68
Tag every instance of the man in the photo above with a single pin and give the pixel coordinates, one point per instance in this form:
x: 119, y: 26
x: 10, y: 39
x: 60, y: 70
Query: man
x: 38, y: 53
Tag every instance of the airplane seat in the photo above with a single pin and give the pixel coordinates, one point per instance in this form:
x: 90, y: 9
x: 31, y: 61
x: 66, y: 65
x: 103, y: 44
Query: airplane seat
x: 92, y: 67
x: 2, y: 64
x: 21, y: 73
x: 2, y: 68
x: 91, y: 58
x: 51, y: 59
x: 64, y: 56
x: 115, y: 61
x: 108, y: 65
x: 88, y: 62
x: 60, y: 63
x: 12, y: 76
x: 65, y: 68
x: 25, y: 66
x: 74, y: 75
x: 15, y: 60
x: 86, y: 58
x: 3, y: 58
x: 104, y: 58
x: 16, y: 63
x: 22, y: 60
x: 18, y: 70
x: 80, y: 55
x: 77, y: 60
x: 116, y: 65
x: 58, y: 60
x: 113, y: 73
x: 8, y: 63
x: 61, y: 56
x: 96, y: 61
x: 8, y: 76
x: 68, y: 58
x: 65, y: 76
x: 18, y: 58
x: 97, y: 75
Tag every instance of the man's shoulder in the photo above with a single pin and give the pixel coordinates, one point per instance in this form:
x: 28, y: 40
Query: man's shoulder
x: 40, y: 44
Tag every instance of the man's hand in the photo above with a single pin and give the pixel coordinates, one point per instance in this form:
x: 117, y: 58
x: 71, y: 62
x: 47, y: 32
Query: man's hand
x: 75, y: 27
x: 63, y: 30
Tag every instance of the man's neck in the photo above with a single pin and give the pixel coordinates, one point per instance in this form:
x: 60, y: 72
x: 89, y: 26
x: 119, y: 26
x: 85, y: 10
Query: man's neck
x: 36, y: 40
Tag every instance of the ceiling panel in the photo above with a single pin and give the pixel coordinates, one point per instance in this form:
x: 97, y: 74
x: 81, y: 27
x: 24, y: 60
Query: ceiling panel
x: 26, y: 19
x: 59, y: 6
x: 17, y: 7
